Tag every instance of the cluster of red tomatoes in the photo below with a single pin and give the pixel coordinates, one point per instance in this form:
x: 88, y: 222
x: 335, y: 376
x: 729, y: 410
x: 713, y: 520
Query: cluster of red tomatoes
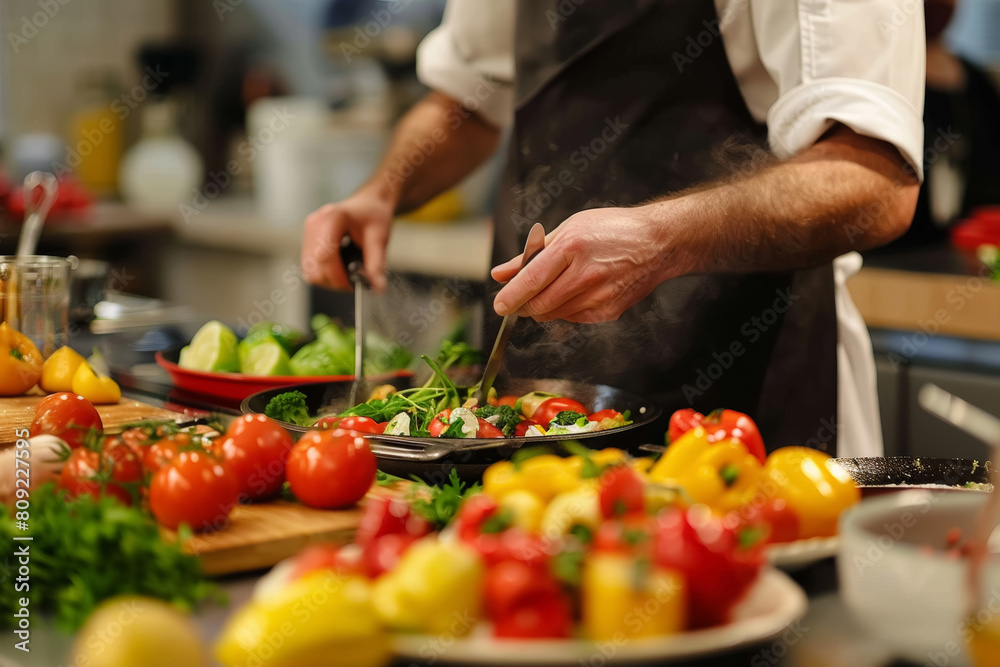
x: 188, y: 478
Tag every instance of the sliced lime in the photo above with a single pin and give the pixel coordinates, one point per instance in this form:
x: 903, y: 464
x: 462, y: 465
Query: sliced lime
x: 265, y: 358
x: 212, y: 349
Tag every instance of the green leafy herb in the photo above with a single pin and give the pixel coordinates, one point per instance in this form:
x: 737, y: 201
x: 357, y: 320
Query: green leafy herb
x: 439, y: 504
x: 385, y: 479
x: 84, y: 551
x: 569, y: 418
x: 507, y: 420
x: 14, y: 352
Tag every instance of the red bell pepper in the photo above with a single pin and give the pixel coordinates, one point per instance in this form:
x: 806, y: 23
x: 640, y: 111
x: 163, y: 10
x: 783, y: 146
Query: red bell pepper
x: 720, y: 425
x: 526, y: 602
x: 717, y: 571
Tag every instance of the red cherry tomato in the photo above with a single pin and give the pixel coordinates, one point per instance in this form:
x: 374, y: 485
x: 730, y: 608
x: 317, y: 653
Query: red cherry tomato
x: 65, y: 415
x: 194, y: 488
x: 601, y: 415
x: 160, y: 452
x: 510, y: 400
x: 255, y: 448
x: 621, y: 493
x: 352, y: 423
x: 331, y: 468
x: 116, y: 471
x: 364, y: 424
x: 523, y: 426
x: 549, y: 408
x: 487, y: 430
x: 439, y: 424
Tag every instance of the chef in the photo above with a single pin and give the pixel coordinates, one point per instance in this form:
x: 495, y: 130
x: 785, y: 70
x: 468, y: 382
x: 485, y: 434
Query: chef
x: 705, y: 172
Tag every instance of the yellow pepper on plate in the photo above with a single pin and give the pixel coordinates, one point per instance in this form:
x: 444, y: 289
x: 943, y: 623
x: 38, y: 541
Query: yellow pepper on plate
x: 623, y: 597
x: 546, y: 476
x: 20, y: 362
x: 95, y: 388
x: 579, y: 507
x: 436, y: 587
x: 526, y: 509
x: 59, y: 369
x: 815, y: 487
x: 722, y: 475
x: 321, y: 619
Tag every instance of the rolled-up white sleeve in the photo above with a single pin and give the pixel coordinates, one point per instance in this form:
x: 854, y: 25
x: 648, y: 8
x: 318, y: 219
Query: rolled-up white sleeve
x: 856, y: 62
x: 470, y: 57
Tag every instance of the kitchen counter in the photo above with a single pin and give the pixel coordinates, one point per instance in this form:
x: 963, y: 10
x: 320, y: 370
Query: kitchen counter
x: 934, y: 290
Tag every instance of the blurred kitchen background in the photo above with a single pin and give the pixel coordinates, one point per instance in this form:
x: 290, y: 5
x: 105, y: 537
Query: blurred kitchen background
x: 191, y: 138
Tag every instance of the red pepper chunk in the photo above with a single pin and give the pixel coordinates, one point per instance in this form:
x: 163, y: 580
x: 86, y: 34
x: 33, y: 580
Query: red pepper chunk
x: 526, y: 602
x: 707, y: 553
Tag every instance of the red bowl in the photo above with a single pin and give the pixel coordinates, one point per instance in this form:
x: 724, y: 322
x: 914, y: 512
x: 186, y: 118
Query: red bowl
x: 238, y: 385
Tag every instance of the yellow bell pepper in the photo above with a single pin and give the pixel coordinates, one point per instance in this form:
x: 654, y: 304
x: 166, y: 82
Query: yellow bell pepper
x: 95, y: 388
x: 816, y: 488
x: 305, y: 624
x: 722, y: 476
x: 680, y: 455
x: 435, y: 588
x: 621, y: 598
x: 59, y: 368
x: 579, y: 507
x: 20, y: 362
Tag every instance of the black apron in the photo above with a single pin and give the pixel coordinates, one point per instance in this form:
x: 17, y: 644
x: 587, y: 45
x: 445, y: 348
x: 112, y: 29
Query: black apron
x: 619, y: 102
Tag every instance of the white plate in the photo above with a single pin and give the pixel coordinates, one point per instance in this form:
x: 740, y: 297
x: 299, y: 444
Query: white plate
x: 773, y: 604
x: 793, y: 555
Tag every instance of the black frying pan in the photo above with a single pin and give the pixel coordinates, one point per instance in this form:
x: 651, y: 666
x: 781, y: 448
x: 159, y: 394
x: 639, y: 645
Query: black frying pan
x: 433, y: 458
x: 876, y: 474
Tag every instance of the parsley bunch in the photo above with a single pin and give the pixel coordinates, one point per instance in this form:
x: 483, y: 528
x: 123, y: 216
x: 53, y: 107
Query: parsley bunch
x: 85, y: 551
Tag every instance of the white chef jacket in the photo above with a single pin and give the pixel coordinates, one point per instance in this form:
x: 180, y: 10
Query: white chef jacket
x: 801, y: 65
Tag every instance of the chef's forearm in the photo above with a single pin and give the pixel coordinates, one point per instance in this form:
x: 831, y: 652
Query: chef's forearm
x: 845, y: 193
x: 435, y: 146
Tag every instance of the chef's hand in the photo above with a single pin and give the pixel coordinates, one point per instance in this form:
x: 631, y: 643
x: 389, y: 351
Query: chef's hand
x: 595, y: 265
x: 366, y: 217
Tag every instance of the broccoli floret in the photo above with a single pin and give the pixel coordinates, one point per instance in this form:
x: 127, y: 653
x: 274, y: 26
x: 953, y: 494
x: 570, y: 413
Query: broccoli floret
x: 289, y: 407
x: 568, y: 418
x: 508, y: 417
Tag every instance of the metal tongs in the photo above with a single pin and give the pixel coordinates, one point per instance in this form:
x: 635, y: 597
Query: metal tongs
x: 535, y: 243
x: 985, y: 427
x: 350, y: 255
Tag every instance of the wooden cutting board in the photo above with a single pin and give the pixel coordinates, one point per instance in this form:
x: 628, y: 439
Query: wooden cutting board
x: 18, y: 412
x: 257, y: 536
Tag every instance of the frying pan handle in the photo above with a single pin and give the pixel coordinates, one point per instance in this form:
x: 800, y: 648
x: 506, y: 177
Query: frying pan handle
x: 404, y: 449
x: 396, y: 453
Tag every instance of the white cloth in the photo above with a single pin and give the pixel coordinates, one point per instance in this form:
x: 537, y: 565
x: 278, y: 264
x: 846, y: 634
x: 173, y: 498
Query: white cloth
x: 801, y: 65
